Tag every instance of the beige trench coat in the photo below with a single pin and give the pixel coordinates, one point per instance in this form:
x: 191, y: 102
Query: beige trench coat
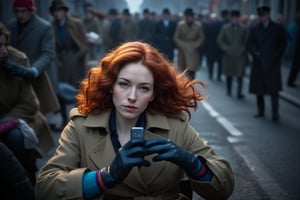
x: 188, y: 40
x: 233, y: 42
x: 85, y: 144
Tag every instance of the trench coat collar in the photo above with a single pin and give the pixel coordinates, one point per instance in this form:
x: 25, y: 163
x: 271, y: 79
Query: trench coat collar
x: 152, y: 121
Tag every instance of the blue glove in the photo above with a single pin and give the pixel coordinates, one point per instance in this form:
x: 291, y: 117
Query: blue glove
x: 19, y: 70
x: 169, y: 151
x: 129, y: 156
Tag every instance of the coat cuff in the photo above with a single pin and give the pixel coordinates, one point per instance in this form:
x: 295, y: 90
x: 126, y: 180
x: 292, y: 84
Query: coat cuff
x: 74, y: 183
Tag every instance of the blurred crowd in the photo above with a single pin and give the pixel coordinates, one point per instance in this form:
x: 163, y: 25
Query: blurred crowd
x: 42, y: 62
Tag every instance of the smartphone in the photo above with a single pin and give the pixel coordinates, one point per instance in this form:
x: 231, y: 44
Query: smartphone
x: 137, y: 133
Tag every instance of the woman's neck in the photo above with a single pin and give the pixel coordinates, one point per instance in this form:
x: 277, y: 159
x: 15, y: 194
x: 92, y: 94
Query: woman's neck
x: 123, y: 128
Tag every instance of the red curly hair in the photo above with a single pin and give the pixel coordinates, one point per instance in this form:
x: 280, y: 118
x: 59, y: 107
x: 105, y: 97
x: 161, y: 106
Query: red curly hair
x: 174, y: 92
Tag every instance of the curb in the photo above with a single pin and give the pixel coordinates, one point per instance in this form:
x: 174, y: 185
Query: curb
x: 290, y: 99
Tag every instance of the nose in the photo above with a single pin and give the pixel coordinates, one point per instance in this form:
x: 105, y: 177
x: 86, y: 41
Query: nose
x: 132, y: 95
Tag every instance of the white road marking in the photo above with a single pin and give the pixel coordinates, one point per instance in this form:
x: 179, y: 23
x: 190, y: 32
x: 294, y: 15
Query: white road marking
x: 266, y: 181
x: 222, y: 120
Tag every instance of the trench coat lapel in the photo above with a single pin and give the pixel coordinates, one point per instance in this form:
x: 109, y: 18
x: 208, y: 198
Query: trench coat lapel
x: 102, y: 154
x: 157, y: 127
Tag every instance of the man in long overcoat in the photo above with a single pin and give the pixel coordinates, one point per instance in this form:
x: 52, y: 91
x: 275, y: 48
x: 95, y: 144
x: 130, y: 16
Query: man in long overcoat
x: 164, y: 33
x: 211, y: 48
x: 233, y: 40
x: 146, y: 27
x: 266, y: 45
x: 34, y: 36
x: 129, y: 28
x: 71, y: 44
x: 188, y: 38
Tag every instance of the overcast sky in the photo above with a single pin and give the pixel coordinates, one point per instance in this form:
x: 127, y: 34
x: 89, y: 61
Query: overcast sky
x: 134, y: 5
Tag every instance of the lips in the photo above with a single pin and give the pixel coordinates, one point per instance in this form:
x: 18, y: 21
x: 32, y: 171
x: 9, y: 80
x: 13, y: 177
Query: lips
x: 130, y: 108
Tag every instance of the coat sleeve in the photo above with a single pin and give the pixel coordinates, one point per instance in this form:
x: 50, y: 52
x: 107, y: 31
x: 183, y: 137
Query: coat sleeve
x: 221, y: 40
x: 61, y: 177
x: 200, y: 37
x: 27, y: 104
x: 222, y: 183
x: 177, y: 36
x: 47, y: 48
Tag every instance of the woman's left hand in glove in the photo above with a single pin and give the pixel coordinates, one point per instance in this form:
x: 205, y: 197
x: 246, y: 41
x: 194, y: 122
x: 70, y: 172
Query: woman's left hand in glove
x: 169, y: 151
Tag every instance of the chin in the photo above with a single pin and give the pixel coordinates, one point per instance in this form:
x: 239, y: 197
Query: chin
x: 130, y: 116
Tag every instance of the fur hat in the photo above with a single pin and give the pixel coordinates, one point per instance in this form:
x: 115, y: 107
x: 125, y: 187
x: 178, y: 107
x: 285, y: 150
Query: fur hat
x: 24, y: 4
x: 57, y: 4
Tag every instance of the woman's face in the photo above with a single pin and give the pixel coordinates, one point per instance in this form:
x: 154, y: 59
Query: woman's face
x: 133, y: 90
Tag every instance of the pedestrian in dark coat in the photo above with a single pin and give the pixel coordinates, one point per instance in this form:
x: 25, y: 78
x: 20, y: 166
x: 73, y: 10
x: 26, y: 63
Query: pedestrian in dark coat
x: 266, y: 45
x: 295, y: 67
x: 34, y: 36
x: 129, y: 28
x: 213, y: 53
x: 164, y: 33
x: 115, y: 28
x: 147, y: 28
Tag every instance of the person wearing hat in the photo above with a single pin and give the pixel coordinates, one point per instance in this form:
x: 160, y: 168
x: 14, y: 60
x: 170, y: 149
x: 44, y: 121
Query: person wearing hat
x: 266, y: 43
x: 146, y: 27
x: 71, y: 47
x: 129, y: 28
x: 35, y: 37
x: 232, y: 41
x: 115, y: 28
x: 164, y: 33
x: 71, y: 43
x: 92, y: 27
x: 188, y: 37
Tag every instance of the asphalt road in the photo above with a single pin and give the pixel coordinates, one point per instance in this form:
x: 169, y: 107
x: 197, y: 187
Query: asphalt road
x: 263, y: 154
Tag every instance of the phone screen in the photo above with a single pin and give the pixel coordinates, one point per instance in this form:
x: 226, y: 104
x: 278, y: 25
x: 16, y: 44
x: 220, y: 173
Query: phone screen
x: 137, y: 132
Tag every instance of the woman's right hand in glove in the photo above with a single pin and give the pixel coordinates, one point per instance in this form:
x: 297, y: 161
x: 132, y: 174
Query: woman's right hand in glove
x: 129, y: 156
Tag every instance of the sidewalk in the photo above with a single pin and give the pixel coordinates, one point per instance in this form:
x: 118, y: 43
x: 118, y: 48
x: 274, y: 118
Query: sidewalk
x: 292, y: 95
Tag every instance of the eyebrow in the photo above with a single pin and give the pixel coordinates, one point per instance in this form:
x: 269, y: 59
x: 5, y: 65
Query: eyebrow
x: 143, y: 83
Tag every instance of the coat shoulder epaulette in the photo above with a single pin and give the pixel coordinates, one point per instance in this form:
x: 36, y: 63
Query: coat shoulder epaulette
x: 75, y: 113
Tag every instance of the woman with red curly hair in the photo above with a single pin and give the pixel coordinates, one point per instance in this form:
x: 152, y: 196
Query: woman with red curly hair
x: 133, y: 91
